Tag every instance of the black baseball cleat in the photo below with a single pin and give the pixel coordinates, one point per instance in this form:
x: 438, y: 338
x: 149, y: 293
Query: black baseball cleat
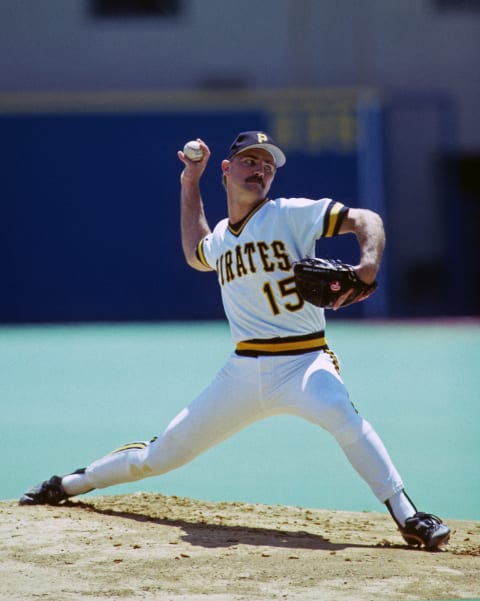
x: 49, y: 492
x: 425, y: 529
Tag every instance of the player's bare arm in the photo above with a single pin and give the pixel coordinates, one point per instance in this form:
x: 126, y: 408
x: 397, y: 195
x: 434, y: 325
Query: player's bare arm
x: 193, y: 222
x: 368, y: 228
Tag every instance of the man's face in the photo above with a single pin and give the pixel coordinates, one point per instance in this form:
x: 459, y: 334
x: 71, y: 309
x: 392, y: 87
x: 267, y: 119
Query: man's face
x: 253, y: 169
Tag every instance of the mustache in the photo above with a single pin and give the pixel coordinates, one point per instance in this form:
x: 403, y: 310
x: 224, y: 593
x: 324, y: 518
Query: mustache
x: 256, y: 179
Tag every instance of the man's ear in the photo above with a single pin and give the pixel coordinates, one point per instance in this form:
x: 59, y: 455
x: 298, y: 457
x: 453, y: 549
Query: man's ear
x: 225, y: 166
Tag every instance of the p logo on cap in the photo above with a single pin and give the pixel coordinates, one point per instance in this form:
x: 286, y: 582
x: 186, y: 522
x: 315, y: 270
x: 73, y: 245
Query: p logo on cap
x: 257, y: 139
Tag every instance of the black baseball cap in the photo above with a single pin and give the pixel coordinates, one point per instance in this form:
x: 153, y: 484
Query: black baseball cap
x: 257, y: 139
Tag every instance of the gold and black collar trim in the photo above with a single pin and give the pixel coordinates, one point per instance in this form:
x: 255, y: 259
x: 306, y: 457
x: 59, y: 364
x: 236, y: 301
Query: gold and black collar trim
x: 237, y: 228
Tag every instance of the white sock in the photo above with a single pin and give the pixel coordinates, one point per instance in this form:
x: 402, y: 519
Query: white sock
x: 76, y: 484
x: 401, y: 507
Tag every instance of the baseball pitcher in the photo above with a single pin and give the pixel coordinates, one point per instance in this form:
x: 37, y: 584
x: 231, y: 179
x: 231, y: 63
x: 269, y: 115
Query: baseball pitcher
x: 275, y: 295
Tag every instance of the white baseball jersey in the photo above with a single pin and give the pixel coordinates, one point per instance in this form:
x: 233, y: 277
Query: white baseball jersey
x: 253, y: 260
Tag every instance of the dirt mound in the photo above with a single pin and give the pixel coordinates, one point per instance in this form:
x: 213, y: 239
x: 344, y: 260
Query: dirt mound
x: 150, y: 546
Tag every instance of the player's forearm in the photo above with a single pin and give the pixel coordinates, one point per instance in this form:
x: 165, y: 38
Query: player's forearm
x: 193, y: 222
x: 370, y: 233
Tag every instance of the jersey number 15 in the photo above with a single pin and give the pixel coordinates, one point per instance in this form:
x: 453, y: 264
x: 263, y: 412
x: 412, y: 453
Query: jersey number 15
x: 286, y: 288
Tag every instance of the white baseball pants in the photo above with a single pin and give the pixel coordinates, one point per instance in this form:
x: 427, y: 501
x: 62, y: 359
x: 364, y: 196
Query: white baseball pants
x: 246, y: 390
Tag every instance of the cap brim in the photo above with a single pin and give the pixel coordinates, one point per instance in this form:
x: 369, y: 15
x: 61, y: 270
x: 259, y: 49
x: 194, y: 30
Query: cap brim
x: 278, y: 156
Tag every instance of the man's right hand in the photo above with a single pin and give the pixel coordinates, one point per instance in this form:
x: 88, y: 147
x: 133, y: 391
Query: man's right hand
x: 194, y: 169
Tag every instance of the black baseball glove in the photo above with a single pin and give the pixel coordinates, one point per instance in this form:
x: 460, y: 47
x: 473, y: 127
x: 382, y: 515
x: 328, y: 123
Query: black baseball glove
x: 323, y: 281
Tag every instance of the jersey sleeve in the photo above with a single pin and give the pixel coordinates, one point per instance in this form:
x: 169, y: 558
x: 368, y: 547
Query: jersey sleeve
x: 204, y: 252
x: 315, y: 219
x: 202, y: 248
x: 334, y: 216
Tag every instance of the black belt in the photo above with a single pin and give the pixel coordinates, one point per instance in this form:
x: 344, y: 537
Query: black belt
x: 291, y: 345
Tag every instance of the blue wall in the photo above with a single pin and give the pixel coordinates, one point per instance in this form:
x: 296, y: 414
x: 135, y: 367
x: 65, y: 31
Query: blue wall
x: 89, y: 225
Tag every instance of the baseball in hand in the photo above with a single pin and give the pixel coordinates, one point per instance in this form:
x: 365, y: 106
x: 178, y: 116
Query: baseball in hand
x: 193, y: 151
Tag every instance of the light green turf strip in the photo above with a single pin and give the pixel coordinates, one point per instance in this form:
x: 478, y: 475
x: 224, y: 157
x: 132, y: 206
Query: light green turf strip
x: 69, y: 394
